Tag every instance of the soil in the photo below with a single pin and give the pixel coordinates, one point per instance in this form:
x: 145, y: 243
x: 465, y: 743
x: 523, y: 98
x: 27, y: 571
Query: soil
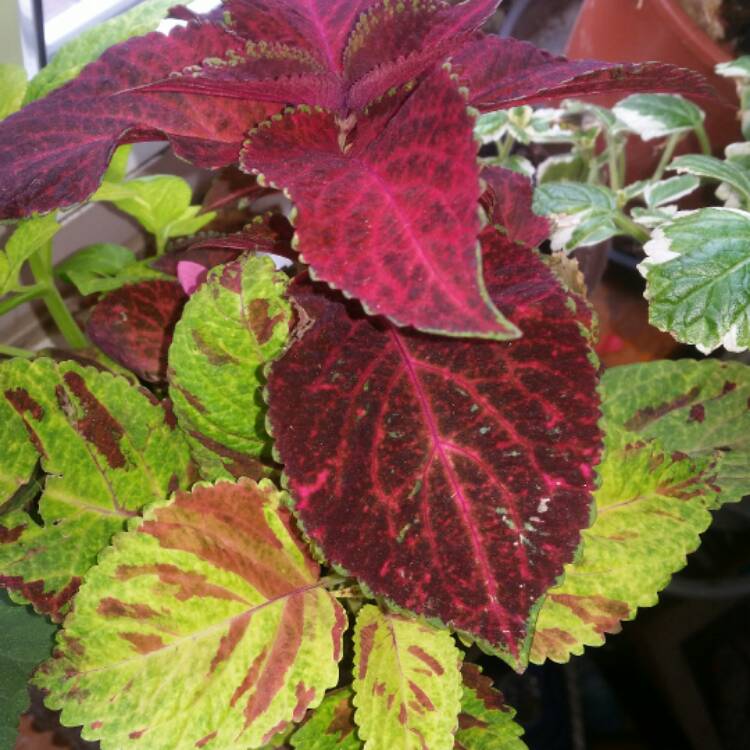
x: 726, y: 21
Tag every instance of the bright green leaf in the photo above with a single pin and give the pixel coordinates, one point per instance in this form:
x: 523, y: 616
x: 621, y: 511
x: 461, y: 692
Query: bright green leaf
x: 486, y: 722
x: 118, y: 165
x: 231, y: 327
x: 89, y: 45
x: 13, y: 85
x: 658, y: 115
x: 331, y: 725
x: 107, y: 450
x: 712, y: 168
x: 205, y: 626
x: 25, y: 640
x: 697, y: 273
x: 677, y: 446
x: 556, y: 198
x: 668, y: 191
x: 29, y: 237
x: 407, y: 682
x: 562, y: 168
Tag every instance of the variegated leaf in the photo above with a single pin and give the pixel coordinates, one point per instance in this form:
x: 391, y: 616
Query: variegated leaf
x: 331, y: 725
x: 206, y: 626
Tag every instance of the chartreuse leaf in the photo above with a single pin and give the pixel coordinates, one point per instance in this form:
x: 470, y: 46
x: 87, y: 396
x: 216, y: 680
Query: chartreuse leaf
x: 205, y: 626
x: 86, y: 47
x: 12, y: 89
x: 118, y: 165
x: 103, y: 267
x: 697, y: 274
x: 25, y: 640
x: 331, y: 725
x: 676, y: 447
x: 658, y: 115
x: 486, y: 721
x: 230, y: 329
x: 407, y: 682
x: 160, y: 203
x: 107, y: 450
x: 29, y: 237
x: 711, y: 168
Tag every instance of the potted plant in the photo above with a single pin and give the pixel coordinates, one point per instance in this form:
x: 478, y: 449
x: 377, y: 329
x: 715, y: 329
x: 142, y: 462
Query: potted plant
x: 422, y: 460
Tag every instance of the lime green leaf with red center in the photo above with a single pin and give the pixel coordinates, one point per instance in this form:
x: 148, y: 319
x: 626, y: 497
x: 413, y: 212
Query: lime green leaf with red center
x: 407, y: 682
x: 233, y: 325
x: 331, y: 725
x: 206, y: 626
x: 486, y: 721
x: 370, y: 224
x: 453, y: 477
x: 676, y: 447
x: 107, y: 449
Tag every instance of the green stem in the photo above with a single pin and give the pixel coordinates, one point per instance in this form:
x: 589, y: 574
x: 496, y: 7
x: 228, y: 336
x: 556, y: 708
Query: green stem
x: 25, y: 295
x: 41, y: 266
x: 703, y: 139
x: 636, y: 231
x: 615, y: 179
x: 14, y: 351
x: 667, y: 155
x: 506, y: 147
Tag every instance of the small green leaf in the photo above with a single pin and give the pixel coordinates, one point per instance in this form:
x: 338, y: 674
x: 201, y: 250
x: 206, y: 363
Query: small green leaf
x: 562, y: 168
x: 107, y: 450
x: 653, y: 217
x: 88, y: 46
x: 739, y: 68
x: 25, y: 640
x: 160, y: 203
x: 331, y: 725
x: 697, y: 274
x: 486, y: 722
x: 205, y: 625
x: 118, y: 165
x: 407, y: 682
x: 712, y: 168
x: 232, y: 326
x: 603, y: 117
x: 29, y: 237
x: 658, y: 115
x: 668, y: 191
x: 556, y: 198
x: 13, y: 85
x: 676, y: 447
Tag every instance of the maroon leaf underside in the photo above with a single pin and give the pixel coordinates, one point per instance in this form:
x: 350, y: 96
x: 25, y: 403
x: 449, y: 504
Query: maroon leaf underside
x: 453, y: 477
x: 507, y: 201
x: 393, y: 219
x: 134, y: 324
x: 503, y: 73
x: 54, y: 151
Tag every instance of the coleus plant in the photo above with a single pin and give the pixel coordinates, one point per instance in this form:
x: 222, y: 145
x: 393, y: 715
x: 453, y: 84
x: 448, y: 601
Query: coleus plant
x: 437, y: 424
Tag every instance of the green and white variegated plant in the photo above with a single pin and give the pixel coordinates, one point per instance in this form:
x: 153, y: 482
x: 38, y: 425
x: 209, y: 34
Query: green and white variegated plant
x: 697, y: 264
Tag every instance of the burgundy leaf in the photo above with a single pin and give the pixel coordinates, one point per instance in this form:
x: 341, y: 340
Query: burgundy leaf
x: 503, y: 73
x: 508, y: 203
x: 453, y: 477
x: 134, y: 324
x: 391, y: 218
x: 54, y: 151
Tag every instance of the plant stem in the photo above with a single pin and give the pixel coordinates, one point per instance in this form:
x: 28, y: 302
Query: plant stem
x: 636, y: 231
x: 666, y: 156
x: 14, y: 351
x: 506, y: 147
x: 41, y: 266
x: 615, y: 179
x: 25, y: 295
x: 703, y: 139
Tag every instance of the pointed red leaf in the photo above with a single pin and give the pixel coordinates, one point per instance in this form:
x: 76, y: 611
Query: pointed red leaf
x: 134, y: 324
x: 371, y: 218
x: 503, y: 73
x: 508, y: 203
x: 452, y: 477
x: 53, y: 152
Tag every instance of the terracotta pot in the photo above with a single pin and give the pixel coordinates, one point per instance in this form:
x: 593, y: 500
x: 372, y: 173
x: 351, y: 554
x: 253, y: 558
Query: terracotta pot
x: 646, y: 30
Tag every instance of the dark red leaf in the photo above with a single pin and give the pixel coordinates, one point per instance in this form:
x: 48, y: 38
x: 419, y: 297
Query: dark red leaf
x: 453, y: 477
x: 503, y: 73
x: 392, y: 217
x: 134, y: 324
x: 53, y: 152
x: 508, y: 203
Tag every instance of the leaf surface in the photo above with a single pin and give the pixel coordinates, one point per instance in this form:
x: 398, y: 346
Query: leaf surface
x: 70, y: 135
x: 12, y: 89
x: 28, y: 238
x: 407, y: 682
x: 676, y: 447
x: 658, y: 115
x: 331, y: 725
x: 212, y: 603
x: 467, y: 509
x: 711, y: 168
x: 106, y: 449
x: 25, y: 640
x: 134, y: 325
x: 697, y: 271
x: 368, y: 221
x: 231, y: 328
x: 502, y: 73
